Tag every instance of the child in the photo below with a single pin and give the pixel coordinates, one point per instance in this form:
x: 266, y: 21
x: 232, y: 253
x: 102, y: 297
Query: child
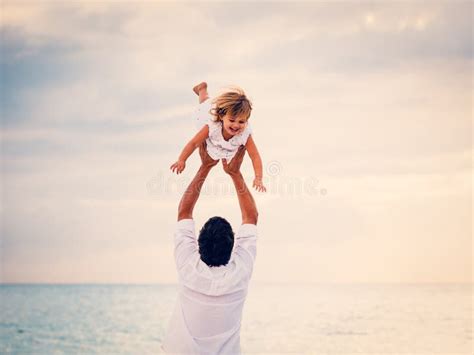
x: 223, y: 123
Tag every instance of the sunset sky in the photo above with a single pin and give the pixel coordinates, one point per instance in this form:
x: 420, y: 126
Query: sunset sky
x: 362, y: 115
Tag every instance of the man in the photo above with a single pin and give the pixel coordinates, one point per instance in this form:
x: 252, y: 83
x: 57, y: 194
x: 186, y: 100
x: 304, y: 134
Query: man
x: 213, y: 272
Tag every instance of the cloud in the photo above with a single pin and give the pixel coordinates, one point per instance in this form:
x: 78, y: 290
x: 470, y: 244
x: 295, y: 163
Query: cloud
x: 373, y: 100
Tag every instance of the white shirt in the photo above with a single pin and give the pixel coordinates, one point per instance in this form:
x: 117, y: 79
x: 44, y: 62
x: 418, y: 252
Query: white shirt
x: 217, y: 146
x: 208, y: 312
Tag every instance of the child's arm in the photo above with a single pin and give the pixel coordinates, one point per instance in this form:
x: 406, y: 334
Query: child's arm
x: 257, y: 164
x: 189, y: 149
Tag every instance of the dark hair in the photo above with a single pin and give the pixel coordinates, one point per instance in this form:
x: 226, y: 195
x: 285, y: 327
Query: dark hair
x: 216, y: 240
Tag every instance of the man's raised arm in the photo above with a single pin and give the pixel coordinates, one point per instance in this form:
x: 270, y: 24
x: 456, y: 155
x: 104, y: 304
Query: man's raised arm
x: 246, y: 201
x: 191, y: 195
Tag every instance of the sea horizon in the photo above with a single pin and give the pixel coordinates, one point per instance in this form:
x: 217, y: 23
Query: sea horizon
x: 252, y: 282
x: 383, y: 318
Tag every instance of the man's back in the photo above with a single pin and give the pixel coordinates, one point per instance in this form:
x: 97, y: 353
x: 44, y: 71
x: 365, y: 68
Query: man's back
x: 208, y: 312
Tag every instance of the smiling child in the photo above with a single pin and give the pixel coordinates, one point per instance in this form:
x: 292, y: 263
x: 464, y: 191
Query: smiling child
x: 223, y: 124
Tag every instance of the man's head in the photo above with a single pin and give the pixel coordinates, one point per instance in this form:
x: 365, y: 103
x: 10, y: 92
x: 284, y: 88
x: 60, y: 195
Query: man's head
x: 216, y: 240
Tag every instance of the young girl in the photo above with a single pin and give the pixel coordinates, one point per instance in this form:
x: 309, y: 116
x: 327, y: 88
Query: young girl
x: 223, y: 123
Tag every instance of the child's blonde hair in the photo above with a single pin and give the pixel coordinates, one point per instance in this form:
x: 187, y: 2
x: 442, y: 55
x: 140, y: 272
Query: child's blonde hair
x: 233, y: 101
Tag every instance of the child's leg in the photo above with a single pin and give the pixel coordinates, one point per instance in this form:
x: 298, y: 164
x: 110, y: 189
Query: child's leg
x: 201, y: 91
x: 203, y: 95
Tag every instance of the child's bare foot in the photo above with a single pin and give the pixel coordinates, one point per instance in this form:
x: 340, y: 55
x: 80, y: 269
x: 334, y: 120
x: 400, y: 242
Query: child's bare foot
x: 199, y: 87
x: 201, y: 91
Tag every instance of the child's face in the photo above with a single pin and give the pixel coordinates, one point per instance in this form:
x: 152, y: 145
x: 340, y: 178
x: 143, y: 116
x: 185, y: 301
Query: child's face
x: 234, y: 125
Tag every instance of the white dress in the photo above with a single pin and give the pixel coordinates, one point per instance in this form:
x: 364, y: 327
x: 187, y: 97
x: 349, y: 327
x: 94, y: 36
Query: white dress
x: 217, y: 146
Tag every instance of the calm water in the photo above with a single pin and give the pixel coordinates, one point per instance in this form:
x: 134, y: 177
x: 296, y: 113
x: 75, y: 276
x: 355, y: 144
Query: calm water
x: 322, y: 318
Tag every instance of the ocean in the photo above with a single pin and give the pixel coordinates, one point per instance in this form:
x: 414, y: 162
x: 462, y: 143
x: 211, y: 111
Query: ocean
x: 278, y: 318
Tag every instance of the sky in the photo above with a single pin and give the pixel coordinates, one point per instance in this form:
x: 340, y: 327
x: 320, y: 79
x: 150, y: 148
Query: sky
x: 362, y: 113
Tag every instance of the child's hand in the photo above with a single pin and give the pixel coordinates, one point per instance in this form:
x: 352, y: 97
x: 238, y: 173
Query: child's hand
x: 178, y: 166
x: 258, y: 185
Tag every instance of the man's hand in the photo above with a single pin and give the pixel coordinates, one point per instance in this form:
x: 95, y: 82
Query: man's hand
x: 234, y: 166
x: 206, y: 160
x: 191, y: 195
x: 246, y: 201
